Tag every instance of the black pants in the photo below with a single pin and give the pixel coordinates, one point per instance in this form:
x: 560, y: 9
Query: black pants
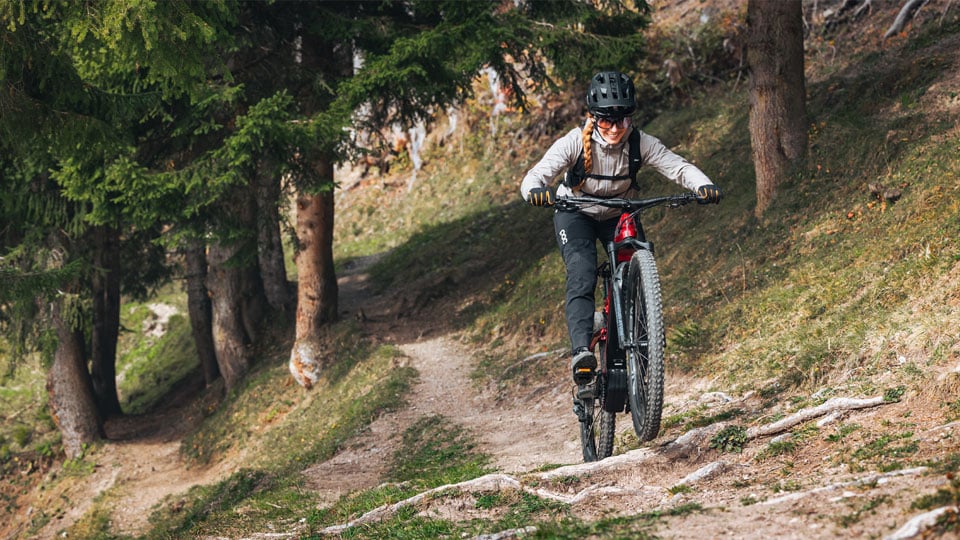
x: 577, y: 237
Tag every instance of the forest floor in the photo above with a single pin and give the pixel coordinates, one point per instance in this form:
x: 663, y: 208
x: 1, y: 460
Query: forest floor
x: 818, y: 484
x: 821, y: 483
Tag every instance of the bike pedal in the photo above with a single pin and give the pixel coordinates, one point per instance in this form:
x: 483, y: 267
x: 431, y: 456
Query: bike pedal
x: 583, y: 376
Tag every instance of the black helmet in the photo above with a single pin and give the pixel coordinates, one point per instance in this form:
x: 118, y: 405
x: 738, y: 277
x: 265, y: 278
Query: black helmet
x: 611, y: 94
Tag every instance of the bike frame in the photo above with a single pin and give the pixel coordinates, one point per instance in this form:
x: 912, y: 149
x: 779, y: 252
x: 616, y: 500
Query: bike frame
x: 628, y: 239
x: 617, y: 278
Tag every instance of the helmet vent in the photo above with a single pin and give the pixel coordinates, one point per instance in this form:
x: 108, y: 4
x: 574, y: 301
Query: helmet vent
x: 611, y: 94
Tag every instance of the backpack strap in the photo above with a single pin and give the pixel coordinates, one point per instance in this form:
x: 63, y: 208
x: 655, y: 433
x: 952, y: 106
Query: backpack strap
x: 636, y: 160
x: 576, y: 174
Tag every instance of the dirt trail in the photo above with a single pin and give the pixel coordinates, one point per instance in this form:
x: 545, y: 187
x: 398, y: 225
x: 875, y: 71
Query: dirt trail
x: 518, y: 433
x: 138, y: 467
x: 812, y: 489
x: 517, y: 437
x: 807, y: 492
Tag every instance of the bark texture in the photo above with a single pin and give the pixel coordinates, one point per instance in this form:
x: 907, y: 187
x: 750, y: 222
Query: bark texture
x: 236, y: 290
x: 200, y: 309
x: 778, y: 126
x: 253, y: 307
x: 106, y: 320
x: 317, y: 286
x: 317, y: 281
x: 224, y: 281
x: 273, y: 271
x: 70, y: 390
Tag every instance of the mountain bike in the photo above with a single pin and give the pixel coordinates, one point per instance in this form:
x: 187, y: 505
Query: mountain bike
x: 628, y: 330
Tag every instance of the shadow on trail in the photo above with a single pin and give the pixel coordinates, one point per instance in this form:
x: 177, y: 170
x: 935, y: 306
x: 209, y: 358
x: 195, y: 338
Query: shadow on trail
x: 447, y: 274
x: 174, y: 415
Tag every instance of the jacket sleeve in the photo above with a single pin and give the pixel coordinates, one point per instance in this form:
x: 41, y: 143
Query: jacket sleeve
x: 561, y: 155
x: 657, y: 155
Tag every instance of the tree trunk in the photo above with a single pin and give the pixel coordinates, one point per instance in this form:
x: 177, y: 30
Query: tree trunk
x: 253, y: 308
x: 316, y: 279
x: 71, y: 394
x: 269, y: 244
x: 229, y: 338
x: 317, y: 283
x: 778, y: 124
x: 106, y: 320
x: 198, y: 305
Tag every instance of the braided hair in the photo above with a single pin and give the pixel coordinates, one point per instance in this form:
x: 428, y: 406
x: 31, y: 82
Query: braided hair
x: 587, y: 135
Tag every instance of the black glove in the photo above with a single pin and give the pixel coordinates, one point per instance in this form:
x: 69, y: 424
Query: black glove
x: 541, y: 196
x: 709, y: 193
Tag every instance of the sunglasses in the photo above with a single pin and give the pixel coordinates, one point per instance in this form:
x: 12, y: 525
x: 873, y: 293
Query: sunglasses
x: 607, y: 123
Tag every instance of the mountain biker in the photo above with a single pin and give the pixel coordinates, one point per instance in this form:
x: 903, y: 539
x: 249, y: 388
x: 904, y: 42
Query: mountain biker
x: 598, y: 161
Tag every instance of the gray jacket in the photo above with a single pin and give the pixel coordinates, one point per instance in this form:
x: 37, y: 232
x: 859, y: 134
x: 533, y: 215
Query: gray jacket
x: 609, y: 160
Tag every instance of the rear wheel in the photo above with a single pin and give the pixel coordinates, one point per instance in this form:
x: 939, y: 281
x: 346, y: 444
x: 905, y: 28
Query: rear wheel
x: 597, y: 425
x: 645, y: 359
x: 584, y: 409
x: 597, y: 428
x: 606, y: 429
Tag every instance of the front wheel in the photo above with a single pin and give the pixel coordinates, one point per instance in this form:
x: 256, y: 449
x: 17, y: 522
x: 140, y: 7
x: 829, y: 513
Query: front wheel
x: 645, y: 357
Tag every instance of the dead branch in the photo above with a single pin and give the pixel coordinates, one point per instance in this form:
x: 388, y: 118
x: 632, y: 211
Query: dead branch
x: 907, y: 13
x: 833, y: 405
x: 532, y: 358
x: 849, y: 11
x: 945, y: 10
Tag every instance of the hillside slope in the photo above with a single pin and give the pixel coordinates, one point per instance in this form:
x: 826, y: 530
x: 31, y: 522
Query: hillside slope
x: 814, y: 368
x: 836, y: 297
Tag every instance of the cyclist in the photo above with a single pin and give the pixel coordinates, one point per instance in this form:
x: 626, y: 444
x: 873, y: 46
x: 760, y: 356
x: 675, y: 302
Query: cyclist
x: 598, y: 161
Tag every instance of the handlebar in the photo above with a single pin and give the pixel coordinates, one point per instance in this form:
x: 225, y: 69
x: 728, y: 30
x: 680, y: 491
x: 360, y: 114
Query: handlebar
x: 577, y: 203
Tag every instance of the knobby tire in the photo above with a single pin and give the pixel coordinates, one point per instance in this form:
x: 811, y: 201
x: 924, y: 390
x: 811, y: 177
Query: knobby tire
x: 645, y: 360
x: 596, y: 436
x: 607, y: 428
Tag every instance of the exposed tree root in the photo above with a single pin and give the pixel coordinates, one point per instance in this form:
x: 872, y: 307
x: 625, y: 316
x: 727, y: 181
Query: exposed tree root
x: 921, y: 523
x: 866, y: 480
x: 703, y: 472
x: 628, y: 458
x: 489, y: 482
x: 594, y: 491
x: 691, y: 441
x: 510, y: 533
x: 834, y: 405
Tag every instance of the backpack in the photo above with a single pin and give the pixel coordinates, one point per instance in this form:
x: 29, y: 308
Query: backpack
x: 576, y: 175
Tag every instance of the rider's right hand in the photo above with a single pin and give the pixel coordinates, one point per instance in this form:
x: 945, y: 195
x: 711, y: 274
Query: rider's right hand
x: 541, y: 196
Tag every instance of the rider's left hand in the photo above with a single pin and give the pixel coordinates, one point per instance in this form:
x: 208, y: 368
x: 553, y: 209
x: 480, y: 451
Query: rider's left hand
x: 709, y: 193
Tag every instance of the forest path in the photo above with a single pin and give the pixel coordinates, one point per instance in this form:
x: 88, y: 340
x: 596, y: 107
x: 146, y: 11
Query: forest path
x: 815, y: 486
x: 518, y: 435
x: 532, y: 427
